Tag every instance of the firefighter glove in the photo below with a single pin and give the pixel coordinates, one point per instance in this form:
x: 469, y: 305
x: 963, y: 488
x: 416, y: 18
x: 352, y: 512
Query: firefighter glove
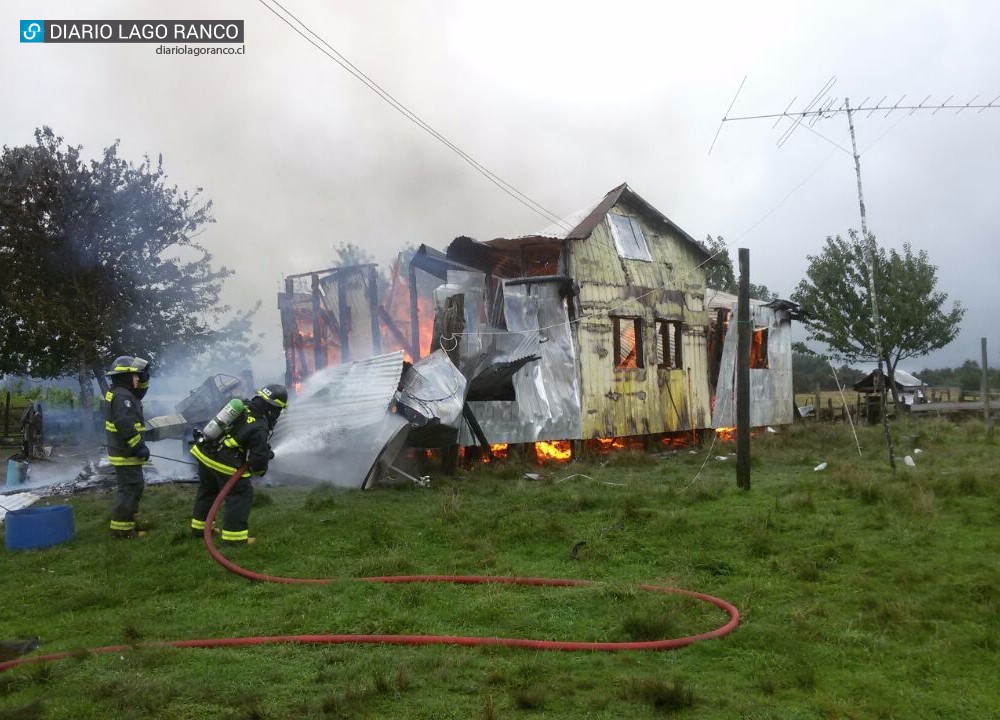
x: 142, y: 452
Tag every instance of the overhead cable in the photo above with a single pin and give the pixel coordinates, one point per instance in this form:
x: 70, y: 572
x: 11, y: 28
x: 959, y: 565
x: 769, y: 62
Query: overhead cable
x: 335, y: 55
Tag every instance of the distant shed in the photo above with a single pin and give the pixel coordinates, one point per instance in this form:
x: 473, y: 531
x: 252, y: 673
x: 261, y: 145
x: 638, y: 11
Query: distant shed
x: 911, y: 389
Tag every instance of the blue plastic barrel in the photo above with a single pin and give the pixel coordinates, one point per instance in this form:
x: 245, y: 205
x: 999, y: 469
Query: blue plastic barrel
x: 39, y: 527
x: 17, y: 472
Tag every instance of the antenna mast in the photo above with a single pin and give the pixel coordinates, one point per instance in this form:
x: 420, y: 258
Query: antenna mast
x: 869, y: 243
x: 822, y: 107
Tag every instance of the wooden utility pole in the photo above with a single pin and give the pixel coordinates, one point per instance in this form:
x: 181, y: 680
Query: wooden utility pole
x: 743, y: 374
x: 986, y: 395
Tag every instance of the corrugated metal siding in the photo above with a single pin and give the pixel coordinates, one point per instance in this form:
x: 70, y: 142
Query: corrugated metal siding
x: 771, y: 394
x: 17, y: 501
x: 547, y: 391
x: 642, y: 400
x: 339, y: 424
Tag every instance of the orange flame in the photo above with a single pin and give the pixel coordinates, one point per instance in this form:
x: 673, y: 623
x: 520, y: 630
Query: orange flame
x: 677, y: 441
x: 559, y: 451
x: 607, y: 444
x: 729, y: 433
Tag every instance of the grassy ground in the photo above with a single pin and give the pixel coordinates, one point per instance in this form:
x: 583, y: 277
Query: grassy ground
x: 863, y: 595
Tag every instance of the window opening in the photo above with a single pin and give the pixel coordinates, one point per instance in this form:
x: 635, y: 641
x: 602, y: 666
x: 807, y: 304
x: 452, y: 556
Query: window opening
x: 627, y: 338
x: 758, y: 349
x: 628, y: 237
x: 668, y: 343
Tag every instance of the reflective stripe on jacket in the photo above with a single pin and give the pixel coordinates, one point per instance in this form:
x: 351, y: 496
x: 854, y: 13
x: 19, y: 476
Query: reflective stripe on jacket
x: 124, y: 425
x: 246, y: 442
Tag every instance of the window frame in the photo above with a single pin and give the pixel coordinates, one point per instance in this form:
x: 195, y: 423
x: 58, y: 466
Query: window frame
x: 669, y: 335
x: 760, y: 360
x: 616, y: 334
x: 618, y: 223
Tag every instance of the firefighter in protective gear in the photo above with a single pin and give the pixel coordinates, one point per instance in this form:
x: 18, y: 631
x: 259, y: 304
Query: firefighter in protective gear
x: 127, y: 451
x: 246, y: 441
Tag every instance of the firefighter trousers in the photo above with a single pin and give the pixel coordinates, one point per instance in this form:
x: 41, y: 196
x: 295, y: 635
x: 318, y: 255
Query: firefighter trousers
x: 130, y: 485
x: 236, y: 515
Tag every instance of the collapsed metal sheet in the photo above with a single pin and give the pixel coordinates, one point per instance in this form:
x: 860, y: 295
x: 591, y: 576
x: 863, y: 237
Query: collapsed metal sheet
x: 340, y: 425
x: 547, y: 392
x: 771, y: 396
x: 431, y: 397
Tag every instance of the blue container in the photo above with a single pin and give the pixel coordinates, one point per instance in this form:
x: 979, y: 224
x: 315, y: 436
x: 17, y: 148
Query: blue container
x: 39, y: 527
x: 17, y: 473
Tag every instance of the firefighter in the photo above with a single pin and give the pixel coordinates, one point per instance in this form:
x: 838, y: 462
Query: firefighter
x: 245, y: 441
x: 127, y: 451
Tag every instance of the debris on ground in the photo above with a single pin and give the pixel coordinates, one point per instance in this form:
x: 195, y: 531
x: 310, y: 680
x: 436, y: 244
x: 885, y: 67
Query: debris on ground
x: 17, y: 501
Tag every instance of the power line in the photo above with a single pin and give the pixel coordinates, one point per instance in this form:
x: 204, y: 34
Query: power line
x: 388, y: 98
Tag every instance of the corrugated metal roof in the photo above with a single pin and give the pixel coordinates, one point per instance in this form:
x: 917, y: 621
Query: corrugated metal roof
x: 339, y: 424
x: 354, y: 394
x: 584, y: 221
x: 718, y: 300
x: 903, y: 379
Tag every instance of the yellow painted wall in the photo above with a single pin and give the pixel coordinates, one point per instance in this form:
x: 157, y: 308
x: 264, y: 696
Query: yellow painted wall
x: 639, y: 401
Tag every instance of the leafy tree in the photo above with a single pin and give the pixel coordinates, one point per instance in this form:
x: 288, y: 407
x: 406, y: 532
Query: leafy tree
x: 98, y: 259
x: 721, y: 276
x: 912, y: 317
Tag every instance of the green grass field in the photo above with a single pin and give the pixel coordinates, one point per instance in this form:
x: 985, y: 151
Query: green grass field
x: 862, y: 595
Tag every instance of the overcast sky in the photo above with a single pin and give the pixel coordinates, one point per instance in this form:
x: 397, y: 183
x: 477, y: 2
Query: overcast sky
x: 564, y: 100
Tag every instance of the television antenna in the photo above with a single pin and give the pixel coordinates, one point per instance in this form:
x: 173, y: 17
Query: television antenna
x: 824, y: 106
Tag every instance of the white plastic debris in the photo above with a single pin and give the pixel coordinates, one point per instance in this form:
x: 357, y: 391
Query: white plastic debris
x: 917, y: 451
x: 908, y: 461
x: 820, y: 468
x: 771, y: 429
x: 721, y: 458
x: 532, y: 476
x: 568, y: 477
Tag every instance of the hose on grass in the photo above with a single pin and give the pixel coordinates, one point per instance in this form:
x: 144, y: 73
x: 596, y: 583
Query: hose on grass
x: 470, y: 641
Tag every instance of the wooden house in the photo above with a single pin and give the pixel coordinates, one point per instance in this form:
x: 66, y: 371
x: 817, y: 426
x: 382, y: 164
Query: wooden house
x: 606, y: 315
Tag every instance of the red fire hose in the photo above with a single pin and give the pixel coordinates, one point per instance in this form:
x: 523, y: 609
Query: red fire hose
x: 667, y: 644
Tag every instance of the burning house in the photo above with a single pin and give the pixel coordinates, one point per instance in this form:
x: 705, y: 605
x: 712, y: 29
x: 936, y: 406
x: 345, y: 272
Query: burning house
x: 599, y: 327
x: 606, y: 317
